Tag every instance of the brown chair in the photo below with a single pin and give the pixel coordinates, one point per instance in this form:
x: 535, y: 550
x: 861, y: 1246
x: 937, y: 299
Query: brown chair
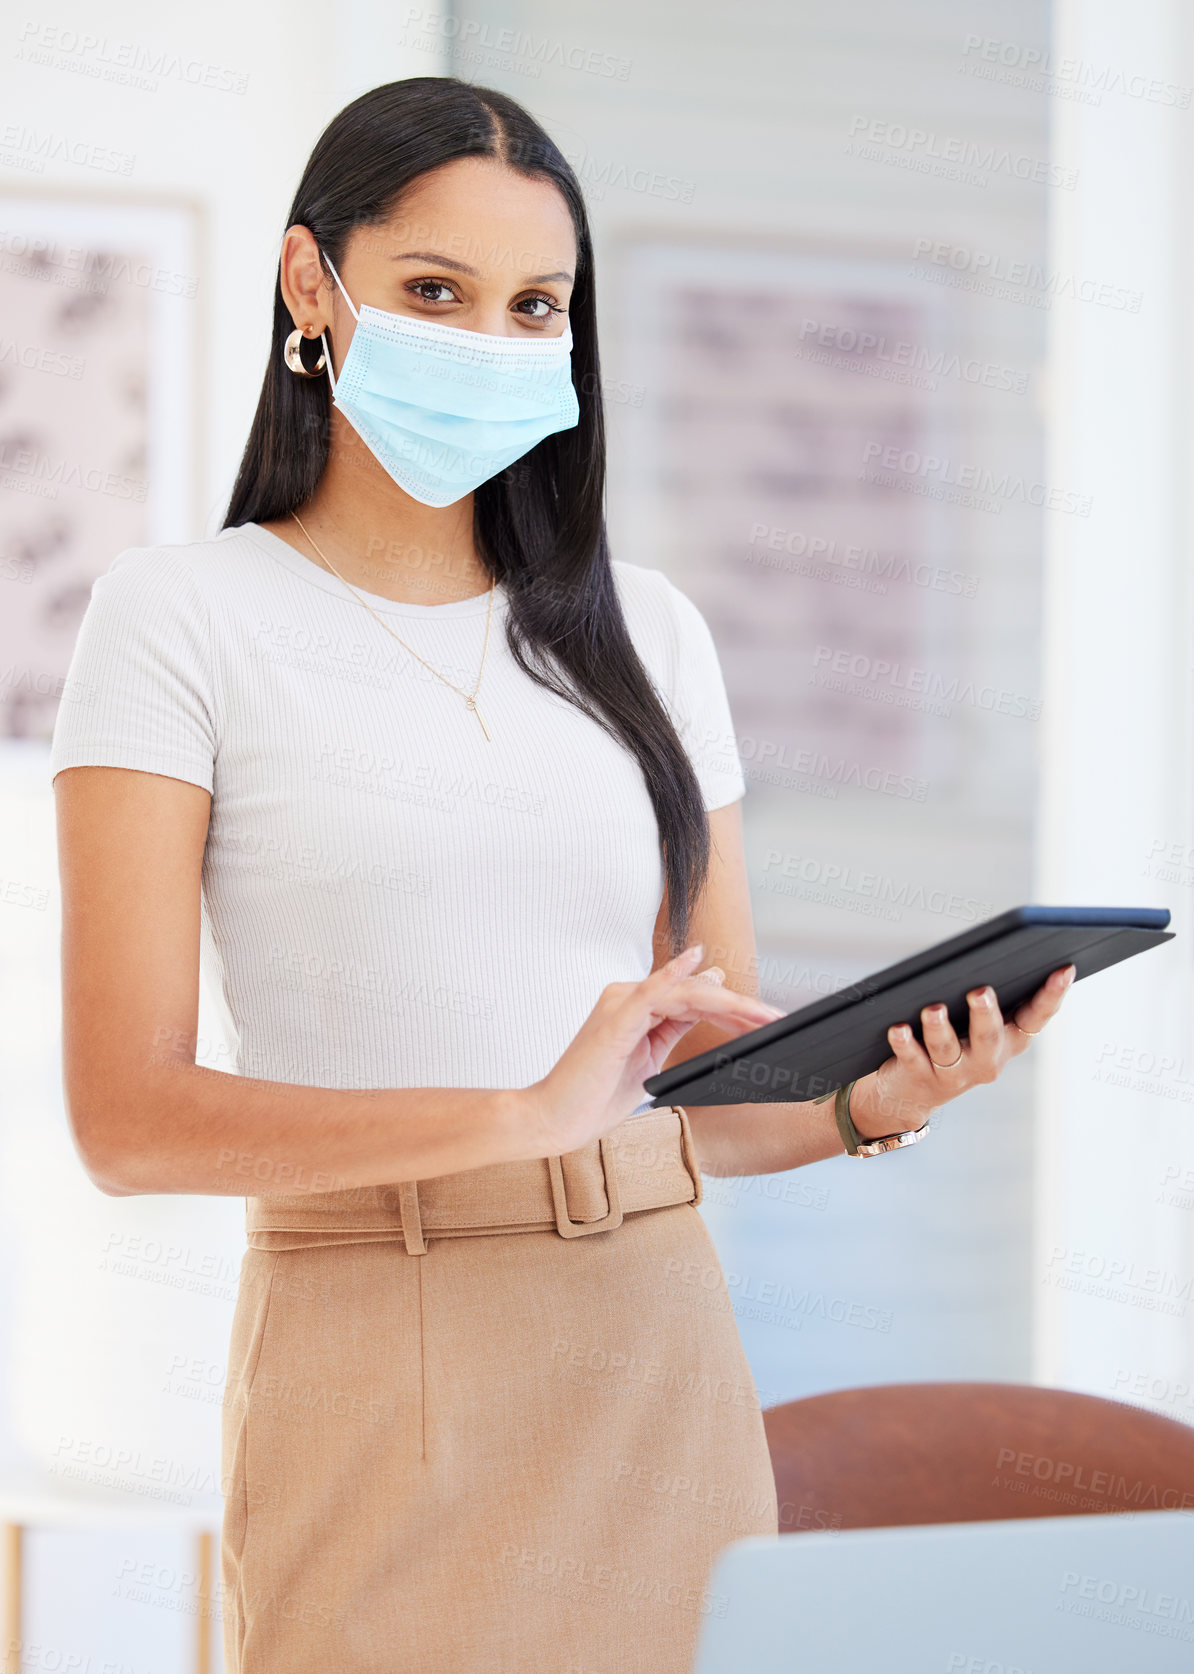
x: 968, y: 1453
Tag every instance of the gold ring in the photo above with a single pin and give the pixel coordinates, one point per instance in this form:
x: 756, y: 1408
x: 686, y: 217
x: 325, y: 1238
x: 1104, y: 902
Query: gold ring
x: 1031, y: 1033
x: 954, y: 1065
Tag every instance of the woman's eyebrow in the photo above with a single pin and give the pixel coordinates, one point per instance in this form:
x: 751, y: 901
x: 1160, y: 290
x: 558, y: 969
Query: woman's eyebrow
x: 463, y: 267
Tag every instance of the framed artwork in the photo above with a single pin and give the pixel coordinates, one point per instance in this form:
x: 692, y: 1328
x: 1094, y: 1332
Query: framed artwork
x: 838, y: 457
x: 99, y: 432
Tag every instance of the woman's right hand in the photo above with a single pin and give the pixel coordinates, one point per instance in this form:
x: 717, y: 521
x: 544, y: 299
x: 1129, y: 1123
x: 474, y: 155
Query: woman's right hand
x: 628, y: 1036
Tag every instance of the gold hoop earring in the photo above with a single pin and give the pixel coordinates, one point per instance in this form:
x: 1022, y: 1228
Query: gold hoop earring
x: 292, y: 355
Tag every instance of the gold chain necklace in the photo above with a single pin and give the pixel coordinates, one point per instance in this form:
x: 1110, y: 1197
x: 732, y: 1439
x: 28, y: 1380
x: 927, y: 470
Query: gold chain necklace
x: 470, y: 700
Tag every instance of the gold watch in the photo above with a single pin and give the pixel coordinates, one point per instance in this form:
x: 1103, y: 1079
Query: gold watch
x: 855, y: 1144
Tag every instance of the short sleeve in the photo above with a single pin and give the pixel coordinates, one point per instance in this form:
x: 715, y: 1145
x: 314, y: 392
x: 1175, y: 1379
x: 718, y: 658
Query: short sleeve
x: 139, y: 689
x: 701, y: 706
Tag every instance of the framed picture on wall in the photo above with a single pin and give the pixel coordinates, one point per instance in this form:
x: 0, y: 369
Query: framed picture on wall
x: 100, y: 303
x: 837, y: 456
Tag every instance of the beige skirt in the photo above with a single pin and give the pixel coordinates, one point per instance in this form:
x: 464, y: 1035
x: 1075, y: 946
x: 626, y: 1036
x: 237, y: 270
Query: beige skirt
x: 513, y: 1454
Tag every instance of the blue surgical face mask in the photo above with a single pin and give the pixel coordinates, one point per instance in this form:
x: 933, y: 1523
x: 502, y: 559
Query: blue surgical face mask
x: 444, y: 409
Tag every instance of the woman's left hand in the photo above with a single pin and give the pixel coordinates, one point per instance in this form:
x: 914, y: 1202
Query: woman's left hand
x: 908, y: 1087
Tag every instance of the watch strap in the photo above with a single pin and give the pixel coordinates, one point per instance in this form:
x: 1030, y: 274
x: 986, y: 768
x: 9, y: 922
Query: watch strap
x: 855, y: 1144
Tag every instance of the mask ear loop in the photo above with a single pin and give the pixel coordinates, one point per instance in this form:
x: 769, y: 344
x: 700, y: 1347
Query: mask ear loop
x: 327, y: 353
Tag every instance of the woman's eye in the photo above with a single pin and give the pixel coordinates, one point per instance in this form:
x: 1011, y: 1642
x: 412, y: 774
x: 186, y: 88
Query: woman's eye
x: 543, y: 305
x: 425, y: 290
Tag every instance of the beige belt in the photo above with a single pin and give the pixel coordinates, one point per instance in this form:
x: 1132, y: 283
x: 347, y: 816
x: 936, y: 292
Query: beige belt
x: 648, y: 1162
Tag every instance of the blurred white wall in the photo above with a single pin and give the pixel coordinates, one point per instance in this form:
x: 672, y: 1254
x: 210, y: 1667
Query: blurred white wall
x: 1114, y: 1257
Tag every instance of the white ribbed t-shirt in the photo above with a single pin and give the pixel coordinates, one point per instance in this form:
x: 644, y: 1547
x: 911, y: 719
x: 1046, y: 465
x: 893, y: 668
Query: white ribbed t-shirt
x: 389, y: 899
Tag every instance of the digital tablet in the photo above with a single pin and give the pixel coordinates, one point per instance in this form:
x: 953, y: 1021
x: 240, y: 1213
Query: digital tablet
x: 844, y: 1036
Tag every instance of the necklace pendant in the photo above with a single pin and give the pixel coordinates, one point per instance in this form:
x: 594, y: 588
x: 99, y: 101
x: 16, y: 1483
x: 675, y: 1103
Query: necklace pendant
x: 472, y: 705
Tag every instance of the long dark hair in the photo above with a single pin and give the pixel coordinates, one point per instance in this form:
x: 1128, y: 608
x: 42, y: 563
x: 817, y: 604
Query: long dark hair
x: 539, y: 526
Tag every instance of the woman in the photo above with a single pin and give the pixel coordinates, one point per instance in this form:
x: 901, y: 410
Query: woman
x: 431, y: 775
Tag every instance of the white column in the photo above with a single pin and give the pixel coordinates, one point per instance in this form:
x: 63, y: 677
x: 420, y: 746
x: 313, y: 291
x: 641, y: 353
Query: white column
x: 1114, y: 1259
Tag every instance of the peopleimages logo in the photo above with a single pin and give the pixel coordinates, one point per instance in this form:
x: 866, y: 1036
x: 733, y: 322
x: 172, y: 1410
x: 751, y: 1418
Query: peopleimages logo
x: 898, y: 467
x: 991, y: 273
x: 472, y: 36
x: 1068, y: 1474
x: 31, y: 471
x: 128, y: 63
x: 1130, y: 1598
x: 812, y: 554
x: 831, y: 880
x: 972, y: 161
x: 855, y: 348
x: 1117, y: 1279
x: 883, y: 680
x: 1023, y: 65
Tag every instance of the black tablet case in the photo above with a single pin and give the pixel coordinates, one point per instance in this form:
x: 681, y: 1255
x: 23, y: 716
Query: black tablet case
x: 843, y: 1037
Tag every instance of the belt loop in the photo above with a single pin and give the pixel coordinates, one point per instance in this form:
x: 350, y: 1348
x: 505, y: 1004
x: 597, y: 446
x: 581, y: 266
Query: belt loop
x: 688, y: 1152
x: 412, y: 1221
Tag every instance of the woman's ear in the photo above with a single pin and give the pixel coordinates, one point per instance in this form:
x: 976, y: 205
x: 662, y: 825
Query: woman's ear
x: 303, y: 282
